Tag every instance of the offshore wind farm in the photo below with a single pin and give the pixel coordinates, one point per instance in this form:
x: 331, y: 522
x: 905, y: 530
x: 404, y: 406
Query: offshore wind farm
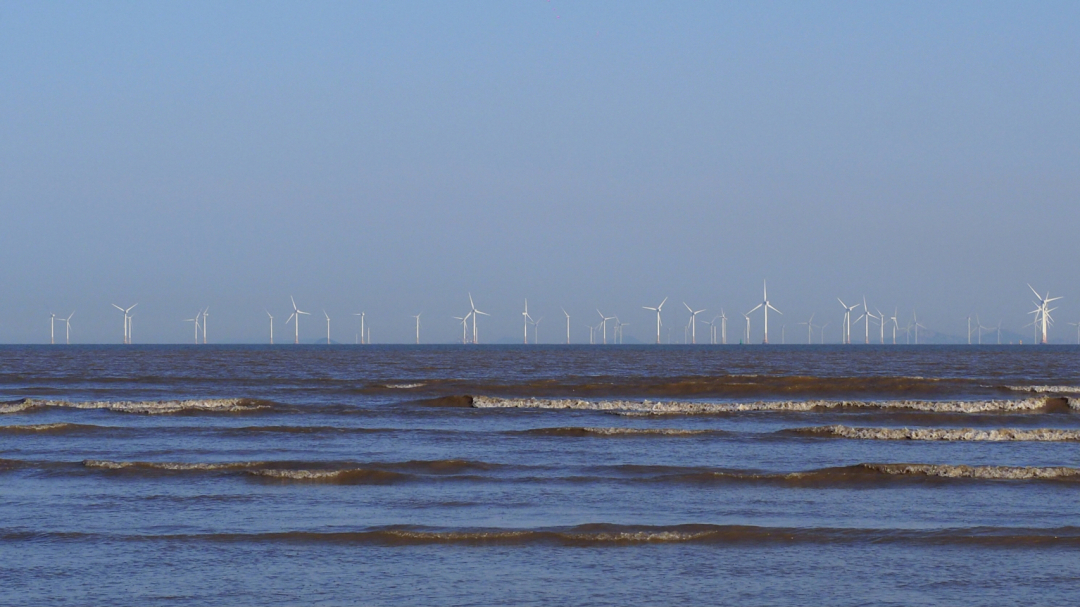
x: 539, y: 303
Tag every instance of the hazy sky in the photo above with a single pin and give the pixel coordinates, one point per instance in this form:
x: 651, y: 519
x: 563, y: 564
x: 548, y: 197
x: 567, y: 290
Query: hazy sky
x: 392, y: 157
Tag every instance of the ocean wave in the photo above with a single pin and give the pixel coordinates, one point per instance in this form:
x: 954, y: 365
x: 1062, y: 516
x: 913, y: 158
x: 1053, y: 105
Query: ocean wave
x: 56, y: 428
x: 942, y: 434
x: 158, y: 407
x: 647, y: 407
x: 327, y: 472
x: 1046, y: 389
x: 977, y: 472
x: 615, y: 432
x: 604, y: 534
x: 404, y: 386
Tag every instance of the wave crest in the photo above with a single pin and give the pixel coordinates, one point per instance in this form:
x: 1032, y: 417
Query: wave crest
x: 943, y: 434
x: 587, y: 431
x: 647, y: 407
x: 157, y: 407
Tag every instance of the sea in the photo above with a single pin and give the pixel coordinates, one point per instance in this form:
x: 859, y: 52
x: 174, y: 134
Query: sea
x: 539, y: 475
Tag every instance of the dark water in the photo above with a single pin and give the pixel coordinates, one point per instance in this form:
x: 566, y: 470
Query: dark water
x: 360, y: 474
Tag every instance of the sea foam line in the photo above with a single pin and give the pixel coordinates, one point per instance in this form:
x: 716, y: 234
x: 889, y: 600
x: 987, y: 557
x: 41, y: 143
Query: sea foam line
x: 157, y: 407
x: 647, y: 407
x: 943, y: 434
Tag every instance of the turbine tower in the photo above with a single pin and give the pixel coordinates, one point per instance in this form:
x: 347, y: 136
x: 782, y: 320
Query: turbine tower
x: 525, y: 319
x: 1042, y: 313
x: 417, y: 317
x: 657, y: 309
x: 464, y: 326
x: 127, y: 322
x: 603, y: 323
x: 723, y: 327
x: 196, y: 321
x: 766, y: 306
x: 809, y: 329
x: 327, y: 327
x: 52, y: 328
x: 474, y: 313
x: 846, y: 338
x: 363, y: 339
x: 271, y: 327
x: 567, y: 325
x: 295, y: 319
x: 205, y: 313
x: 67, y: 328
x: 693, y: 322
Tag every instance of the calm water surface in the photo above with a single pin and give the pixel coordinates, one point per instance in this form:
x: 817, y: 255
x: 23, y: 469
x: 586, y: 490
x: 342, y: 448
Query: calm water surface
x: 539, y: 475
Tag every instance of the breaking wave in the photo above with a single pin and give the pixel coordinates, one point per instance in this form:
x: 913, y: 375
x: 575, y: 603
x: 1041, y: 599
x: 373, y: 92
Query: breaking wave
x: 603, y: 534
x: 1046, y: 389
x: 158, y: 407
x: 942, y: 434
x: 57, y: 428
x: 325, y: 472
x: 616, y: 432
x: 645, y: 407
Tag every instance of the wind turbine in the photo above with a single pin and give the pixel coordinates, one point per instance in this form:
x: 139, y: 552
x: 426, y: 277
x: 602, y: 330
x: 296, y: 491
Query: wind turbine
x: 658, y: 323
x: 747, y: 317
x: 895, y: 325
x: 525, y: 319
x: 271, y: 327
x: 1075, y: 324
x: 417, y: 317
x: 362, y: 337
x: 464, y: 325
x: 998, y: 331
x: 536, y: 330
x: 809, y: 329
x: 196, y: 321
x: 52, y: 328
x: 567, y: 325
x: 327, y: 327
x: 765, y: 305
x: 723, y: 327
x: 475, y: 313
x: 603, y: 323
x: 205, y: 313
x: 916, y: 326
x: 67, y: 328
x: 127, y: 322
x: 712, y: 330
x: 867, y: 315
x: 295, y: 319
x: 847, y: 320
x: 822, y: 332
x: 693, y: 322
x: 1043, y: 317
x: 981, y: 328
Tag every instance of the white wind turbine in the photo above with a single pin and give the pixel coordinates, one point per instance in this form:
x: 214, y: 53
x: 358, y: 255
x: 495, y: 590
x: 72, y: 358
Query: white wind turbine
x: 822, y: 332
x: 766, y: 306
x: 867, y: 315
x: 127, y: 322
x: 712, y: 329
x: 916, y: 326
x: 295, y: 319
x: 657, y: 309
x: 196, y: 321
x: 619, y: 326
x: 363, y: 339
x: 1043, y: 311
x: 327, y: 327
x: 52, y: 328
x: 981, y: 328
x: 747, y: 317
x: 271, y: 327
x: 895, y: 325
x: 67, y: 328
x: 525, y: 319
x: 464, y: 326
x: 536, y: 329
x: 475, y: 313
x: 417, y: 317
x: 603, y: 323
x: 847, y: 320
x: 1075, y: 324
x: 693, y: 322
x: 809, y: 329
x: 567, y: 325
x: 723, y: 327
x: 205, y: 313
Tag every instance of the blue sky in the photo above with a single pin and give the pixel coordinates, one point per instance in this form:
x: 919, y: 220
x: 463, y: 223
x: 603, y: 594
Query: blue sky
x: 392, y: 157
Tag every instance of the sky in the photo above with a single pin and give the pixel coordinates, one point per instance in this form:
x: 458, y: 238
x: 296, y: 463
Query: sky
x: 393, y: 157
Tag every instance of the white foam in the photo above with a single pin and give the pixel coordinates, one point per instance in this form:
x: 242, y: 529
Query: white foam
x: 946, y: 434
x: 981, y: 472
x: 111, y: 465
x: 403, y: 386
x: 1046, y: 389
x: 158, y: 407
x: 300, y: 474
x: 643, y: 431
x: 645, y: 407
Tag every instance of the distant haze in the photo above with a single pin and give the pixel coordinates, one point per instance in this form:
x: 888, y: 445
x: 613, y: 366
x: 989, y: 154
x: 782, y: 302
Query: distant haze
x: 393, y: 157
